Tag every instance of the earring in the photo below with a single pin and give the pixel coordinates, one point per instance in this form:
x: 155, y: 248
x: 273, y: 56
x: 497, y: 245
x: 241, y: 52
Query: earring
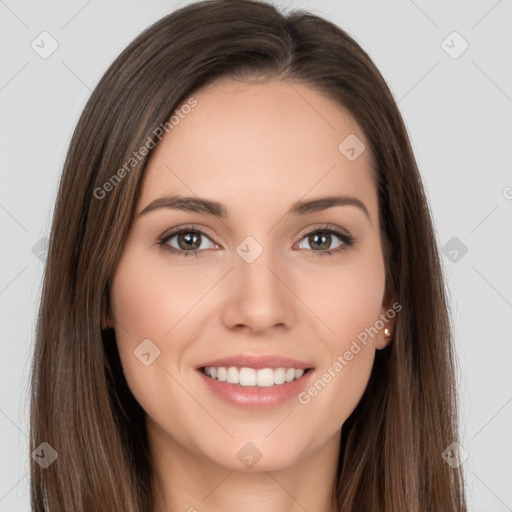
x: 387, y: 332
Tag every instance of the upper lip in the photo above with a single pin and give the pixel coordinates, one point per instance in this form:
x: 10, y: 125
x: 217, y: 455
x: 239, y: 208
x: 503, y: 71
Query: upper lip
x: 257, y: 362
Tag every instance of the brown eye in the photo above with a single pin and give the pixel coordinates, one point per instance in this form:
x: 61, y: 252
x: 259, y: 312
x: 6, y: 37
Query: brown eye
x: 320, y: 241
x: 188, y: 242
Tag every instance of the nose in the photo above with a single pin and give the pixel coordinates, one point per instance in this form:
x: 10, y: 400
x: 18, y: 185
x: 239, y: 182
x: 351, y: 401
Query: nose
x: 259, y: 296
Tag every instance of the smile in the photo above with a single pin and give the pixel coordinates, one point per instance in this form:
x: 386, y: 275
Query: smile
x: 262, y: 377
x: 252, y: 388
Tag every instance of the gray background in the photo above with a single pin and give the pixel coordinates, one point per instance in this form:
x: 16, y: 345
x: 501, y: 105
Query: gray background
x: 458, y: 113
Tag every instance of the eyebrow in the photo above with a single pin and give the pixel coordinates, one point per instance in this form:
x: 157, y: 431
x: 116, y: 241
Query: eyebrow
x: 209, y: 207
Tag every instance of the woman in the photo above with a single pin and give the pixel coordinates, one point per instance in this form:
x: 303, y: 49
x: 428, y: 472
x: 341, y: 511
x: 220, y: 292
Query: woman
x: 302, y: 358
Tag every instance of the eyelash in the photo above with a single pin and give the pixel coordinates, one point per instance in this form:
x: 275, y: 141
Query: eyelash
x: 347, y: 239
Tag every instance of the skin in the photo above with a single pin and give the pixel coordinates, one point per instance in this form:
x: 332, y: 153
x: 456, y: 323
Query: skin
x: 256, y: 148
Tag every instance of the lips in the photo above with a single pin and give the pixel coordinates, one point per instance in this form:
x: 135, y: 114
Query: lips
x: 260, y: 393
x: 255, y: 397
x: 256, y: 362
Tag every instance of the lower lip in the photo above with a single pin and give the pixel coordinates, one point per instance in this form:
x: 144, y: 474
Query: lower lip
x: 254, y: 397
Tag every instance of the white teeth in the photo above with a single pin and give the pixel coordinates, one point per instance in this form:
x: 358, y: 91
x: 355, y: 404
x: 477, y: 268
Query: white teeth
x: 233, y: 376
x: 264, y: 377
x: 247, y: 377
x: 221, y: 374
x: 279, y: 376
x: 289, y: 375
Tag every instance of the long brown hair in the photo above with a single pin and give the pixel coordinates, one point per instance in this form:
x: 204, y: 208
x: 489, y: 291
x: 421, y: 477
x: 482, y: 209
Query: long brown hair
x: 392, y: 444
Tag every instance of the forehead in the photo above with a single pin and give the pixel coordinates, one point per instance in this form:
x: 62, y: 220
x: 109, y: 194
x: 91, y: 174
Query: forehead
x: 273, y: 142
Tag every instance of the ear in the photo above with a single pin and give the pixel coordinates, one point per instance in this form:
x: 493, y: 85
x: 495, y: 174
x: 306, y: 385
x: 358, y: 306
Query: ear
x: 387, y: 320
x: 107, y: 322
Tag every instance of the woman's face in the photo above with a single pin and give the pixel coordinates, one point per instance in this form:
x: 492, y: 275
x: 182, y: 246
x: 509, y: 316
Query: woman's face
x: 261, y: 286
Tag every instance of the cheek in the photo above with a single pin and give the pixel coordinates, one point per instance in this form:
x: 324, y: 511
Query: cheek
x: 147, y: 303
x: 148, y: 299
x: 349, y: 300
x: 349, y: 307
x: 152, y: 300
x: 341, y: 379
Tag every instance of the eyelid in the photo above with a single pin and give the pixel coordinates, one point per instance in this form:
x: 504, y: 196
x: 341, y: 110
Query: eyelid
x: 187, y: 227
x: 326, y: 227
